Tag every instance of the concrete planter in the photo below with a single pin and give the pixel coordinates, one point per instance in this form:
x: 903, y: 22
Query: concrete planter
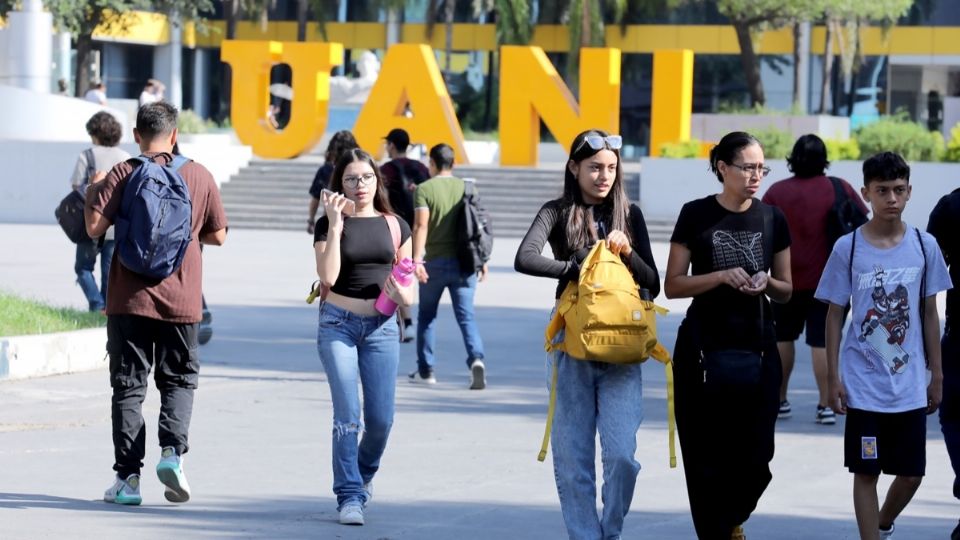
x: 712, y: 127
x: 22, y: 357
x: 666, y: 184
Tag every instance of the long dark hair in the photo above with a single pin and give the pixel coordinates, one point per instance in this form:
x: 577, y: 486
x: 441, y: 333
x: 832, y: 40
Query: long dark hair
x: 581, y: 230
x: 381, y: 202
x: 729, y: 148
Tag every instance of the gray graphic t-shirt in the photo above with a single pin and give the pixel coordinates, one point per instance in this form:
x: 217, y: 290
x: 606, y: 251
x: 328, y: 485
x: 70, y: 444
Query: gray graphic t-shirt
x: 882, y: 363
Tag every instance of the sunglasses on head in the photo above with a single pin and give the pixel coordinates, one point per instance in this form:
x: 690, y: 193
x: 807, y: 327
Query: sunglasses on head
x: 597, y: 142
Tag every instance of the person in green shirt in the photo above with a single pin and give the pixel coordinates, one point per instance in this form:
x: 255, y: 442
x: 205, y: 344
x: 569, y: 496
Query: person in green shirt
x: 438, y: 204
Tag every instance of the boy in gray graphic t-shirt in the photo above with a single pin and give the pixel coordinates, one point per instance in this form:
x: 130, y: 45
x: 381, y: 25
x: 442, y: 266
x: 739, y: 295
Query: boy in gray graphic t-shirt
x: 892, y: 272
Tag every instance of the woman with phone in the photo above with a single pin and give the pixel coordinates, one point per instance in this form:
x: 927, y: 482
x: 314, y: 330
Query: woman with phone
x: 355, y: 253
x: 592, y: 397
x: 726, y: 366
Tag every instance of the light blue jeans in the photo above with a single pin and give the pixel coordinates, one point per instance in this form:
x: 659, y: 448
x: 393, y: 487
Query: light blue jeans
x: 366, y: 349
x: 595, y: 397
x: 445, y: 274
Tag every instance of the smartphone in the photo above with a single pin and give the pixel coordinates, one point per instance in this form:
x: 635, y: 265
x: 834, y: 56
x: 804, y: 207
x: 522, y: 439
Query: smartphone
x: 349, y: 209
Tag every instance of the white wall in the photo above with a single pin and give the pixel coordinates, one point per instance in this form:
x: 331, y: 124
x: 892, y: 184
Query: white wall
x: 36, y: 116
x: 666, y: 184
x: 36, y: 175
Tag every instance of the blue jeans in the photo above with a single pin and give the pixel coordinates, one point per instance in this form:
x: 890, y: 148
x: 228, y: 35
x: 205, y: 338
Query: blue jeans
x: 366, y: 348
x: 595, y: 397
x: 445, y: 273
x: 86, y: 259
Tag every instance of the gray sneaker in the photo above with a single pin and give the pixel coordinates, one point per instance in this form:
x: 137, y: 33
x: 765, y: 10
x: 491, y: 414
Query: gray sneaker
x: 478, y: 376
x: 124, y: 491
x: 351, y: 513
x: 170, y: 472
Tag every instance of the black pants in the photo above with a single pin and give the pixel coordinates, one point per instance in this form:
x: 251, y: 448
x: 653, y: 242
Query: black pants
x: 950, y: 406
x: 135, y: 344
x: 726, y: 438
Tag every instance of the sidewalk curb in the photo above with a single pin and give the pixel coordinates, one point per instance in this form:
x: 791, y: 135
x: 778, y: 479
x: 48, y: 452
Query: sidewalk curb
x: 22, y: 357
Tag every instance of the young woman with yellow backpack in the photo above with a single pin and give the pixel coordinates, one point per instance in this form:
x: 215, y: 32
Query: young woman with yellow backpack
x: 592, y: 396
x: 727, y: 369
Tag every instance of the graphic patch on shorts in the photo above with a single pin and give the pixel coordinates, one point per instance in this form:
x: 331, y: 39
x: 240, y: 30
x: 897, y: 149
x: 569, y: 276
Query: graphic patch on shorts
x: 868, y: 447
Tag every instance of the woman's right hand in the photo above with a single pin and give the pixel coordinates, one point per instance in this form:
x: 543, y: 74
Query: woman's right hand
x: 734, y: 277
x: 333, y: 206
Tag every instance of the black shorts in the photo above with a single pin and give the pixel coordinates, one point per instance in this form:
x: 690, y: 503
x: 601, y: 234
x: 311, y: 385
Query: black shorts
x: 891, y: 443
x: 802, y: 310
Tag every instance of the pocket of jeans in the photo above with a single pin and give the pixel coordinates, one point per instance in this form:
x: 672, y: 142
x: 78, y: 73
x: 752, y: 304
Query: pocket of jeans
x: 329, y: 318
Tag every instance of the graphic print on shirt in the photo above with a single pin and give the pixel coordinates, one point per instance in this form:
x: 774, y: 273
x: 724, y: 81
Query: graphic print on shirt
x: 738, y: 248
x: 885, y: 323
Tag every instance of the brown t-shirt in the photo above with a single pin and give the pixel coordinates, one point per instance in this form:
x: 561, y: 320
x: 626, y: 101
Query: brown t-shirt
x: 176, y: 298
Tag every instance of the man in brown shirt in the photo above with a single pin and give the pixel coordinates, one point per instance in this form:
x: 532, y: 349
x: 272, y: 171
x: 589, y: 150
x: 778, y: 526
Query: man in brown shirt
x: 154, y: 322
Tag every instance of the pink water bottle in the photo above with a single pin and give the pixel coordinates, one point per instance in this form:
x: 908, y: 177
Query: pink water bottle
x: 403, y: 273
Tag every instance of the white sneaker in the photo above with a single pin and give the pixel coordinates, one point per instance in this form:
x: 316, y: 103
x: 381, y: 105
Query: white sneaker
x: 170, y: 472
x: 478, y: 377
x: 887, y: 535
x: 368, y: 491
x: 124, y: 491
x: 351, y: 513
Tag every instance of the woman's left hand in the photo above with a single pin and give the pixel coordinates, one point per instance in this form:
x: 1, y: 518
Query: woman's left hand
x: 757, y: 285
x: 619, y: 244
x: 398, y: 293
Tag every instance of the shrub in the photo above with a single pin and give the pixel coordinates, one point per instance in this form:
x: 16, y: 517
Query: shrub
x: 838, y: 150
x: 190, y: 122
x: 898, y: 134
x: 776, y: 143
x: 680, y: 149
x: 952, y: 153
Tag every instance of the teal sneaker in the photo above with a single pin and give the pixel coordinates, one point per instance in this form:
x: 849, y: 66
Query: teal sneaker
x: 170, y: 472
x: 124, y: 491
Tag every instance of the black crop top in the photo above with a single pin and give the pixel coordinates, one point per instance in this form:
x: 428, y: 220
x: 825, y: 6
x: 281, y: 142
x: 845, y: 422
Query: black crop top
x: 366, y: 254
x: 548, y: 226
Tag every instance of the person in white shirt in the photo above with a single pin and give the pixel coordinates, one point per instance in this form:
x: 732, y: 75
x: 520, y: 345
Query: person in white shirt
x: 97, y: 92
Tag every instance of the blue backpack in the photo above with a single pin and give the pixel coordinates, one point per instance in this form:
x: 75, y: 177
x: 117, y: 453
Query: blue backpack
x: 154, y: 224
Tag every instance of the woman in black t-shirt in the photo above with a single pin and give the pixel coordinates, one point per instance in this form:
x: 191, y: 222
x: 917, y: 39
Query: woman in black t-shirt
x: 592, y: 397
x: 731, y: 240
x: 356, y: 343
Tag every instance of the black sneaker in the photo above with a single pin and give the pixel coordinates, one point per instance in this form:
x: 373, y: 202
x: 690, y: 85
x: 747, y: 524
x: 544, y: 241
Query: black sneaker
x: 826, y: 416
x: 955, y: 535
x: 785, y: 410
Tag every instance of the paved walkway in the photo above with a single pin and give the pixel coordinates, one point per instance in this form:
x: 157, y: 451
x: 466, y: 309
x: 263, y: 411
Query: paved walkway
x: 460, y: 464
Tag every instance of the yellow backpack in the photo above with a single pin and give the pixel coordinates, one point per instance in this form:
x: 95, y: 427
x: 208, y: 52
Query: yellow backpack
x: 606, y: 320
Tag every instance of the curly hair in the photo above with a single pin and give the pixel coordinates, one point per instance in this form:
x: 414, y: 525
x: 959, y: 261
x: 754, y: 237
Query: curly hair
x: 105, y: 128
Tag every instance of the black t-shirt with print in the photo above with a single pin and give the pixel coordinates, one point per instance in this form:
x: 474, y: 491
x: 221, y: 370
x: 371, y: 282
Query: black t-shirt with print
x: 366, y: 254
x: 719, y: 239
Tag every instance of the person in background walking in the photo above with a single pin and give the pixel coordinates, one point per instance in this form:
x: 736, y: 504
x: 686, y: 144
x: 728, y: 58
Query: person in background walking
x: 806, y: 199
x: 92, y: 165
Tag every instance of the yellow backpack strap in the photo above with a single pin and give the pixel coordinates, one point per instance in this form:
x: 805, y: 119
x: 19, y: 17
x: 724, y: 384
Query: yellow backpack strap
x: 671, y: 416
x: 550, y: 410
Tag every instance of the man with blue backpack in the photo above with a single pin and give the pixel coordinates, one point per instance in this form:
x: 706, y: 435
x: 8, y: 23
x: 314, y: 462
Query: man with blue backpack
x: 163, y: 207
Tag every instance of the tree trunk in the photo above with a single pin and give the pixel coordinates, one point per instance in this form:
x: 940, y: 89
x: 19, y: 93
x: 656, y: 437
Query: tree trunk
x: 231, y: 12
x: 448, y: 11
x: 827, y: 66
x: 750, y: 64
x: 301, y: 20
x: 84, y: 47
x: 488, y: 98
x: 796, y: 64
x: 585, y: 37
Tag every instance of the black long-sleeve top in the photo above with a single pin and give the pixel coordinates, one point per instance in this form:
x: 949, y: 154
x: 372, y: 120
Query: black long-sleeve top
x: 549, y: 226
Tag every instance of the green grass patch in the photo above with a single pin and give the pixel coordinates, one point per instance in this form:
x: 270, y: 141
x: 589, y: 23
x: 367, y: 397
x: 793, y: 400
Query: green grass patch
x: 19, y: 317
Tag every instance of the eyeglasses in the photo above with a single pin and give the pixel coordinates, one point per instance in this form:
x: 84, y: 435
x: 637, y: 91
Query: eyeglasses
x: 753, y: 169
x: 354, y: 181
x: 597, y: 142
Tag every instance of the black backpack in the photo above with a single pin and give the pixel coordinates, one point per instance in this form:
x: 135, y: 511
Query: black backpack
x: 69, y: 212
x: 844, y: 216
x: 475, y: 231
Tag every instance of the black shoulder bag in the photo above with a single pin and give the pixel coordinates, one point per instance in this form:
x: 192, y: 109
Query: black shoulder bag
x: 738, y: 368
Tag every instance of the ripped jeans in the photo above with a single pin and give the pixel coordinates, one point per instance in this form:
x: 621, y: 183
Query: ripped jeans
x: 366, y: 349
